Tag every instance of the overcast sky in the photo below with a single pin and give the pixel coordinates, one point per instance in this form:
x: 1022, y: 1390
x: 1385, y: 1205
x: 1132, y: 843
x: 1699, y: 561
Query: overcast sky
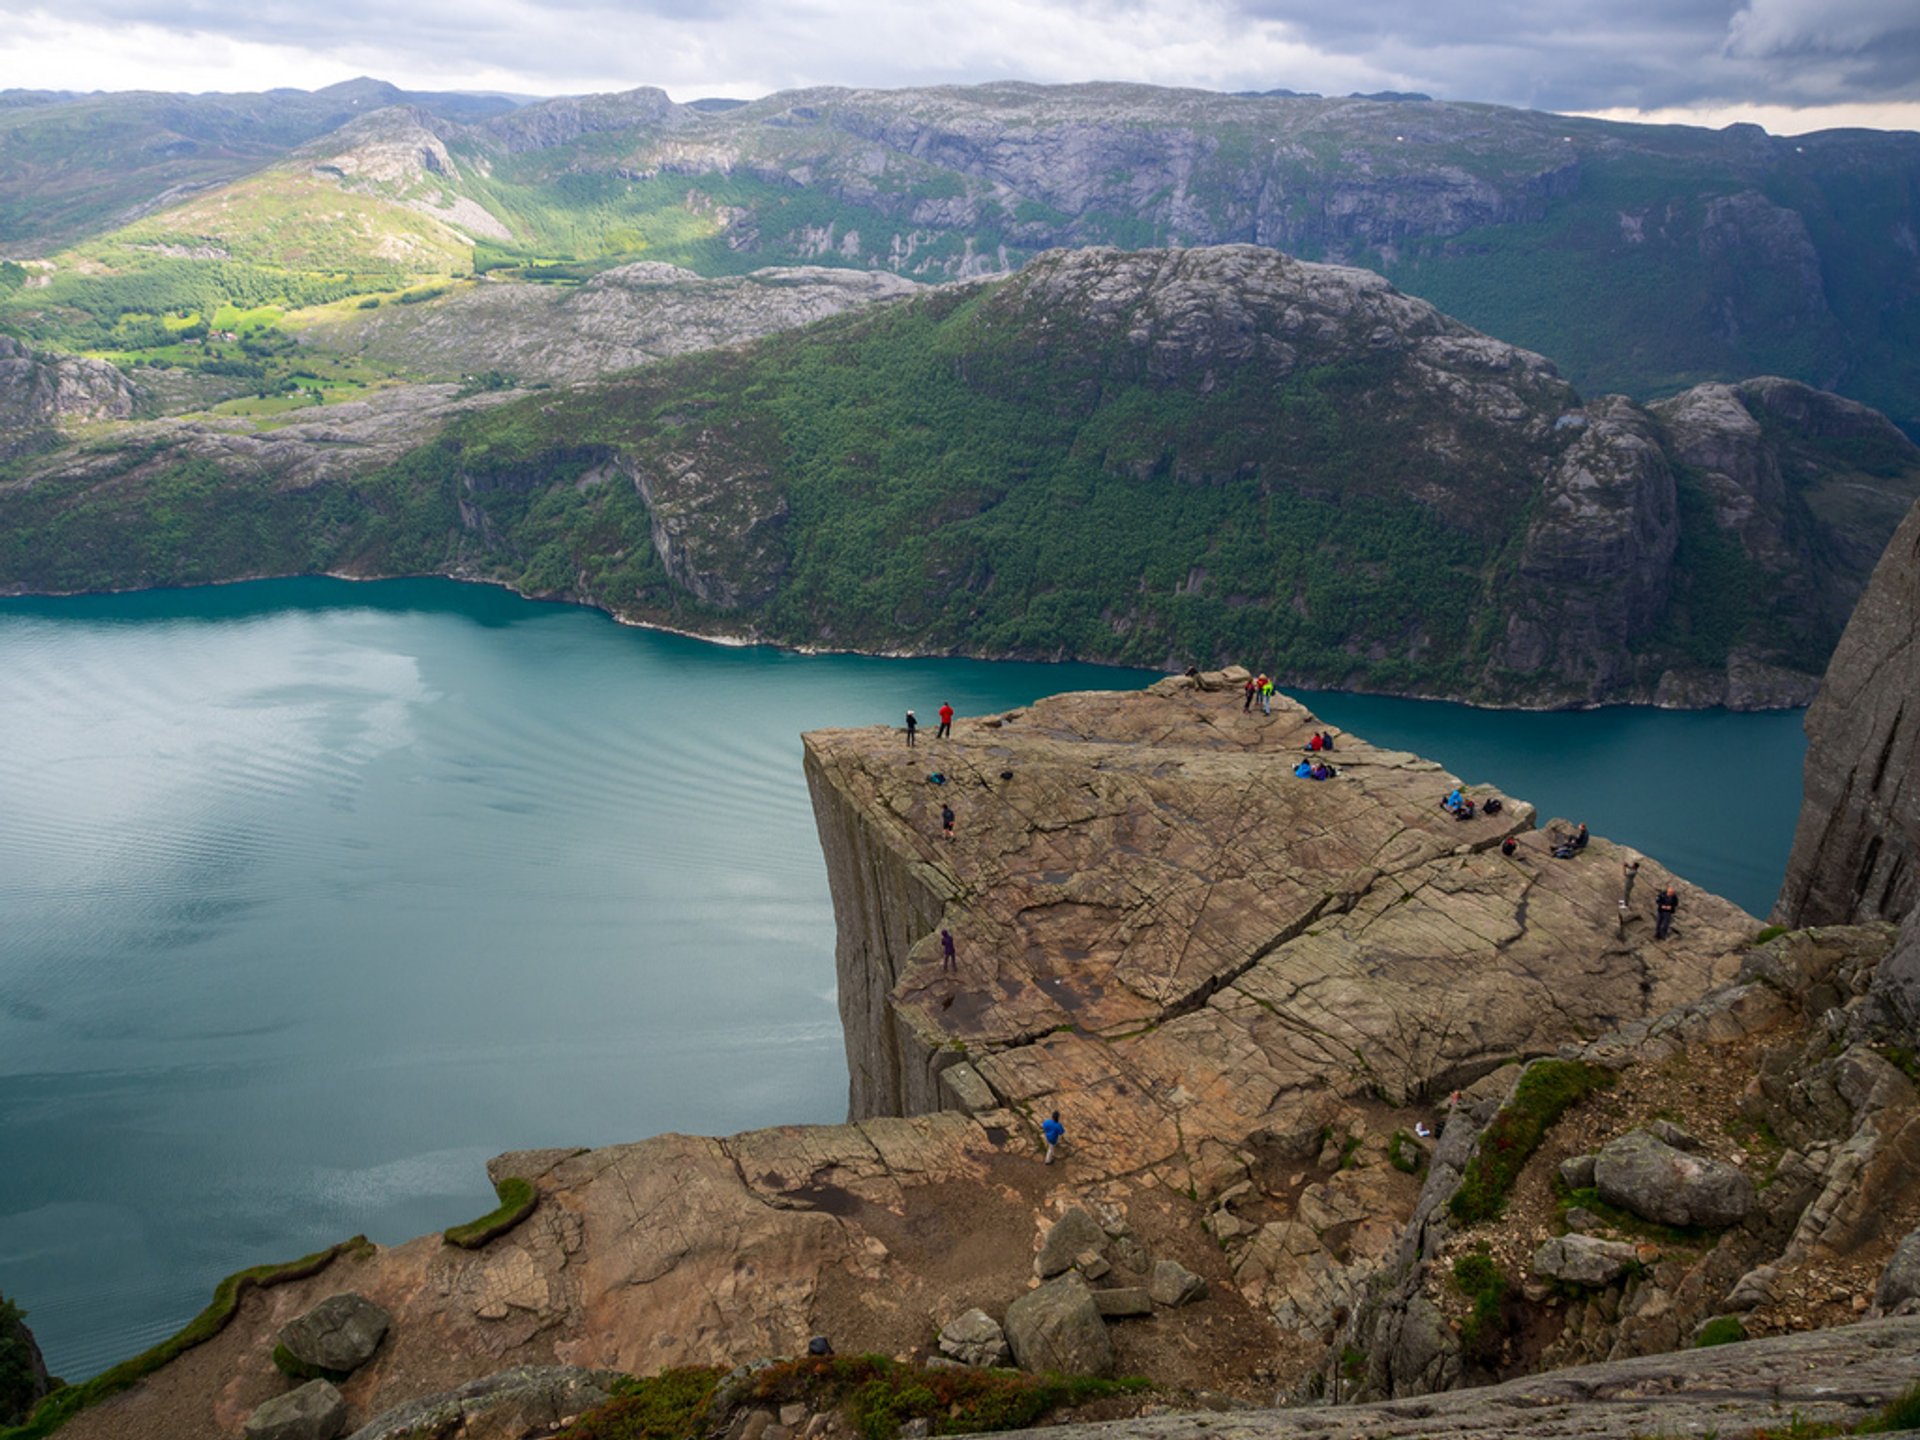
x: 1791, y: 65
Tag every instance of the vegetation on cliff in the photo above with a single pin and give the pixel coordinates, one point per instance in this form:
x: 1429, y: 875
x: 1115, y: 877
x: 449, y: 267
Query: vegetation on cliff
x: 1150, y: 458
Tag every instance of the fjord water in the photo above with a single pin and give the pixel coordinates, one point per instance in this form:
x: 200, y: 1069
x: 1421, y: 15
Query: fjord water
x: 313, y: 896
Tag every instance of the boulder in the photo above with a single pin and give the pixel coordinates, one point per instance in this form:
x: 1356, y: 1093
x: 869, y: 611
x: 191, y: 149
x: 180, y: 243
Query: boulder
x: 974, y: 1338
x: 1173, y: 1284
x: 1583, y: 1259
x: 1057, y: 1328
x: 1644, y: 1174
x: 1900, y: 1281
x: 315, y: 1411
x: 1576, y: 1172
x: 1068, y: 1238
x: 337, y: 1336
x: 1124, y: 1301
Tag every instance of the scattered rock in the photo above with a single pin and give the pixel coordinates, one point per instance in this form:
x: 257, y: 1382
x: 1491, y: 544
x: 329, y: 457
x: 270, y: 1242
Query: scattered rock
x: 1058, y: 1328
x: 1173, y: 1284
x: 316, y: 1411
x: 974, y: 1338
x: 1581, y: 1219
x: 1584, y: 1260
x: 338, y: 1335
x: 1069, y: 1237
x: 1646, y: 1175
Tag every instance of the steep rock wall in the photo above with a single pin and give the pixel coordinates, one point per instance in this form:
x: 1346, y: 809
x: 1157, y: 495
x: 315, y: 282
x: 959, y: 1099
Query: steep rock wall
x: 1856, y: 850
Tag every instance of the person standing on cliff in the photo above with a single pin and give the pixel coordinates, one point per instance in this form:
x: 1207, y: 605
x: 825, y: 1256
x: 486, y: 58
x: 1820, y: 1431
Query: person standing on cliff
x: 1053, y: 1130
x: 1664, y: 907
x: 946, y: 821
x: 913, y: 724
x: 947, y: 960
x: 1253, y: 687
x: 945, y: 732
x: 1629, y: 872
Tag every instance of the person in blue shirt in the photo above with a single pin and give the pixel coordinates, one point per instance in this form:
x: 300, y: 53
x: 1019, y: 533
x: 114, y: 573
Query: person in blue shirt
x: 1053, y: 1130
x: 1304, y: 770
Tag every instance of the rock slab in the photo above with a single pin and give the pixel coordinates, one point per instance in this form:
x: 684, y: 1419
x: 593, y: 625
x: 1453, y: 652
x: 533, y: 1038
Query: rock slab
x: 974, y: 1338
x: 1583, y: 1259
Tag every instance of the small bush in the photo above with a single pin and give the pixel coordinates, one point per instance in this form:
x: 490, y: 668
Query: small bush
x: 1405, y: 1154
x: 1479, y: 1279
x: 1721, y: 1330
x: 1544, y: 1094
x: 1900, y: 1413
x: 669, y: 1406
x: 517, y: 1200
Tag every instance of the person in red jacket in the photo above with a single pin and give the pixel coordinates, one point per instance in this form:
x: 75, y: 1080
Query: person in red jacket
x: 945, y: 731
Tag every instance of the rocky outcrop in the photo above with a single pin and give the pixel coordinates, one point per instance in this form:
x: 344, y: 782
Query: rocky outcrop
x: 1856, y: 852
x: 1057, y: 1329
x: 1145, y: 870
x: 526, y: 1400
x: 41, y: 392
x: 627, y: 316
x: 23, y: 1371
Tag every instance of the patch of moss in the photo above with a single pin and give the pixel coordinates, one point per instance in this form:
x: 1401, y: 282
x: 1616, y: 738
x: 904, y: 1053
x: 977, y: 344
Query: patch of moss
x: 1679, y: 1237
x: 518, y: 1198
x: 1721, y: 1330
x: 1545, y: 1092
x: 1771, y: 932
x: 63, y: 1404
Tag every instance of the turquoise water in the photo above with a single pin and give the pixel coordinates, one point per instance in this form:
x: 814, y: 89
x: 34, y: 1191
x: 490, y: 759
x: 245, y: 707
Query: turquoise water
x: 313, y: 896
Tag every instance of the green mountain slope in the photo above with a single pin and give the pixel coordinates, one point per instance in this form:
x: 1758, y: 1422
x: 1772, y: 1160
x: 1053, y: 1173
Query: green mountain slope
x: 1155, y: 457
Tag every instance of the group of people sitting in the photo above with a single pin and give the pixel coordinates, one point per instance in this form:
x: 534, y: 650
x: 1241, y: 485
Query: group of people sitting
x: 1322, y: 740
x: 1463, y: 807
x: 1315, y: 770
x: 1565, y: 847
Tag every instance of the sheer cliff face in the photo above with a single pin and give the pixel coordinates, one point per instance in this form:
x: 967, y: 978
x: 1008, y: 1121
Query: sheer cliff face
x: 1856, y: 853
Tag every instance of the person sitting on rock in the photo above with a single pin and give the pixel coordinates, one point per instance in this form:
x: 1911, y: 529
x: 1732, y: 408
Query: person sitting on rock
x: 1493, y: 806
x: 1326, y: 739
x: 1580, y: 837
x: 1508, y: 846
x: 1313, y: 744
x: 1463, y: 811
x: 1323, y: 771
x: 1452, y: 802
x: 1304, y: 770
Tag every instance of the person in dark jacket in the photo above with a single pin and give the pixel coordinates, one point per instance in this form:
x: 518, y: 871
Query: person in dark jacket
x: 913, y: 724
x: 1664, y: 907
x: 946, y: 821
x: 947, y: 961
x: 1508, y: 846
x: 1580, y: 837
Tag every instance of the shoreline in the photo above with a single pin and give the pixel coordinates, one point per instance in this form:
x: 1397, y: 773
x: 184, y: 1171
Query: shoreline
x: 737, y: 641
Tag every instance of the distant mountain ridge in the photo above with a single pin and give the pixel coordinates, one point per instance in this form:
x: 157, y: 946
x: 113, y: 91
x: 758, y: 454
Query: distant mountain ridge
x: 1642, y: 259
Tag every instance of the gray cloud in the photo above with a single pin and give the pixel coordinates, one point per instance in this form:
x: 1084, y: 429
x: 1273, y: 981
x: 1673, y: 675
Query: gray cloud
x: 1553, y: 55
